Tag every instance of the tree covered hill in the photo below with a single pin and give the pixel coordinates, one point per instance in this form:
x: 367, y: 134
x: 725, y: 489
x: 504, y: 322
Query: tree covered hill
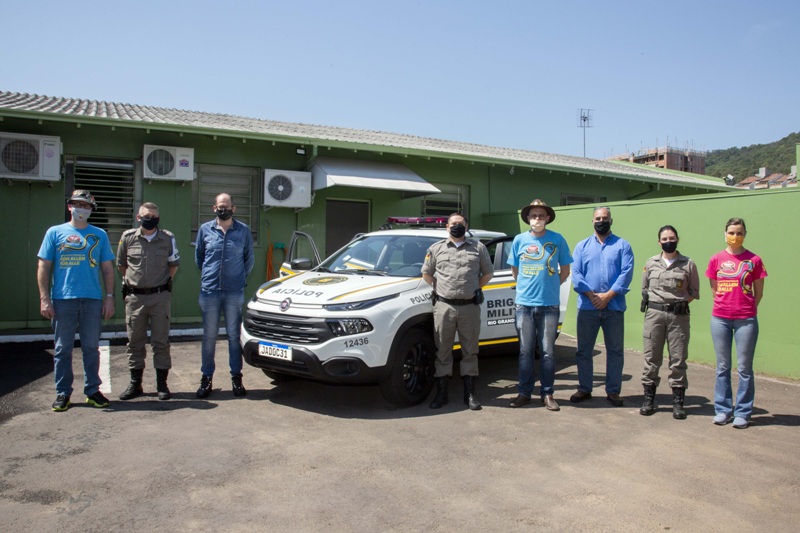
x: 743, y: 162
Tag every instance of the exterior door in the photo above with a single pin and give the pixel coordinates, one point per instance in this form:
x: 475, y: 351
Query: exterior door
x: 344, y: 219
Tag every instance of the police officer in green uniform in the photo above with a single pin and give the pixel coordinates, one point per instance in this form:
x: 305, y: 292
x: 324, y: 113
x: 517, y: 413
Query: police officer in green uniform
x: 147, y: 258
x: 669, y: 282
x: 457, y: 268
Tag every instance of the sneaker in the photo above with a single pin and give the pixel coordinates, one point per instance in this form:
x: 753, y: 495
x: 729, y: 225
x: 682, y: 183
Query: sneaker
x: 205, y: 387
x: 722, y: 419
x: 740, y: 423
x: 236, y: 384
x: 97, y: 400
x: 61, y: 403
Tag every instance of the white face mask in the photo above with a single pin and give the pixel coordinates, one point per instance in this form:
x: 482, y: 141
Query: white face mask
x: 537, y: 225
x: 81, y: 214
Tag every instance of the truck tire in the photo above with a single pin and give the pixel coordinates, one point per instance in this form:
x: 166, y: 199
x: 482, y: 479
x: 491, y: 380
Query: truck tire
x: 411, y: 377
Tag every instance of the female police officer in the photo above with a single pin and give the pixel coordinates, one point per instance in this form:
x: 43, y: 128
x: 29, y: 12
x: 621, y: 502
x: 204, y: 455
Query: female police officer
x: 670, y: 281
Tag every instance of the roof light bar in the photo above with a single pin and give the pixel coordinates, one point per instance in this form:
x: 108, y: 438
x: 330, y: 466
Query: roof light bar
x: 417, y: 220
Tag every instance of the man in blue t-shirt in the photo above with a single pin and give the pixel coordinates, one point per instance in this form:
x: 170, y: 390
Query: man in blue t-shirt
x: 540, y: 262
x: 74, y: 255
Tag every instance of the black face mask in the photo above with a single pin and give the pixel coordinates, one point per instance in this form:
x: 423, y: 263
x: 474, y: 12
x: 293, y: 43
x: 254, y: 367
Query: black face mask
x: 669, y: 246
x: 149, y: 223
x: 457, y: 230
x: 602, y: 227
x: 224, y: 214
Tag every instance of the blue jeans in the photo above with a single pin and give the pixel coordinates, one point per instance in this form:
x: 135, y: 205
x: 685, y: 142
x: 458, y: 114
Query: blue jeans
x: 213, y: 304
x: 84, y: 316
x: 613, y: 325
x: 537, y: 327
x: 745, y: 332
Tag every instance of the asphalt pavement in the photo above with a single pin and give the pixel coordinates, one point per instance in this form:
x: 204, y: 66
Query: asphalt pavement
x: 303, y: 456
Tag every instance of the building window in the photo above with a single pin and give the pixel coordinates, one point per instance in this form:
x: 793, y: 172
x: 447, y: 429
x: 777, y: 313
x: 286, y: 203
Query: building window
x: 453, y: 198
x: 242, y: 183
x: 578, y: 199
x: 112, y: 183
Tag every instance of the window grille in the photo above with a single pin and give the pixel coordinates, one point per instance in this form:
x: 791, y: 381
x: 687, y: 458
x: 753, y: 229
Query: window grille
x: 112, y: 184
x: 453, y: 198
x: 242, y: 183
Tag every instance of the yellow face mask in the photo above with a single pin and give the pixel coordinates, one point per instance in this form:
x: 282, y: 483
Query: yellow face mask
x: 734, y: 241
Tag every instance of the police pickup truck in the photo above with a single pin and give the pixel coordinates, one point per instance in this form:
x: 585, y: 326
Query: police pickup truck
x: 364, y: 314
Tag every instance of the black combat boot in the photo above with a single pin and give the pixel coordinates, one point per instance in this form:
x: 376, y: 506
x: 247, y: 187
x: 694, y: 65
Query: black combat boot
x: 236, y: 384
x: 649, y: 404
x: 441, y: 392
x: 469, y: 393
x: 134, y: 389
x: 677, y: 403
x: 161, y: 384
x: 206, y: 386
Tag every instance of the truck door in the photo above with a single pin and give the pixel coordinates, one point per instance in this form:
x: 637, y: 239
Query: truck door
x: 497, y: 310
x: 302, y: 254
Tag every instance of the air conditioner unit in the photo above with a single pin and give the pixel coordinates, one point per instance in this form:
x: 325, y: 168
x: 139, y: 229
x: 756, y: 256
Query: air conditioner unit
x: 284, y: 188
x: 30, y: 157
x: 168, y: 163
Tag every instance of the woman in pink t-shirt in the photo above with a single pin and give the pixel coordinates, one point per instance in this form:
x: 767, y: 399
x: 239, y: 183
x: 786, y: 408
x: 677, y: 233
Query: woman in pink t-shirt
x: 737, y: 282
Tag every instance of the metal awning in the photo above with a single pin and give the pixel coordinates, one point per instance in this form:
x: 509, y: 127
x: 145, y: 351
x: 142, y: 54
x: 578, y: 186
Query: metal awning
x: 330, y: 171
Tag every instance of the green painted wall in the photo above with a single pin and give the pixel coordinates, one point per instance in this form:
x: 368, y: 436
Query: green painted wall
x: 30, y: 208
x: 700, y: 221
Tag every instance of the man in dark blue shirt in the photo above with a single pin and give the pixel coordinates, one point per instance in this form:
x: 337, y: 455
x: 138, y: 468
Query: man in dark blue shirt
x: 601, y: 275
x: 224, y: 255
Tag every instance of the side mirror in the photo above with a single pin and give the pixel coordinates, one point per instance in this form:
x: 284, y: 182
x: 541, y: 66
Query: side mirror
x: 301, y: 263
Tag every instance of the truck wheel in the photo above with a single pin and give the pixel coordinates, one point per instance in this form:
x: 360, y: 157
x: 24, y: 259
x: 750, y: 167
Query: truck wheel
x: 277, y: 376
x: 411, y: 377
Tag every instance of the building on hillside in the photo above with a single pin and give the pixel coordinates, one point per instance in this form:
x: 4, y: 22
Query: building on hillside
x: 668, y: 157
x: 769, y: 180
x: 328, y: 182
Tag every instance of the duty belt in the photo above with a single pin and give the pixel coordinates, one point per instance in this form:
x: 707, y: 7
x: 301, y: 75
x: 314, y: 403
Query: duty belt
x: 678, y: 308
x: 152, y: 290
x: 456, y: 301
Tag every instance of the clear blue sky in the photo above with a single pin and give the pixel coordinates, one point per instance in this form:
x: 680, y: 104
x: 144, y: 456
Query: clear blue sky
x: 705, y: 74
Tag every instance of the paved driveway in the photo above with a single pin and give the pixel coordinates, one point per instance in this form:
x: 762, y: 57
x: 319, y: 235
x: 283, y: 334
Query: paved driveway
x: 304, y: 456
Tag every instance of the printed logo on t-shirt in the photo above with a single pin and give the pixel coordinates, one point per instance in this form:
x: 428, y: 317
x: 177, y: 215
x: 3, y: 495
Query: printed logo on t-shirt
x: 730, y: 275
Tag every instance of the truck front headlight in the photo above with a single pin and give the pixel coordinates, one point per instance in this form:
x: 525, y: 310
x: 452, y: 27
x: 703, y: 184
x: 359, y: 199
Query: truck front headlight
x: 348, y: 326
x: 357, y: 306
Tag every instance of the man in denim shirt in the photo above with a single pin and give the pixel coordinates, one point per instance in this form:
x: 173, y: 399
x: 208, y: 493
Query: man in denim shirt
x: 601, y: 275
x: 224, y: 255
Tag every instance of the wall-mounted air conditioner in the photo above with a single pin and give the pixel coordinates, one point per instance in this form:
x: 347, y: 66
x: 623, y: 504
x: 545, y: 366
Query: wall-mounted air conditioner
x: 284, y: 188
x: 30, y: 157
x: 168, y: 163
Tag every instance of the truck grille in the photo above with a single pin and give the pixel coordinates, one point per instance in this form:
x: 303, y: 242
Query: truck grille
x: 285, y: 328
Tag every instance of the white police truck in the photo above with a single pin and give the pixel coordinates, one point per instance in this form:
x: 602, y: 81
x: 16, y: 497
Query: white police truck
x: 364, y: 314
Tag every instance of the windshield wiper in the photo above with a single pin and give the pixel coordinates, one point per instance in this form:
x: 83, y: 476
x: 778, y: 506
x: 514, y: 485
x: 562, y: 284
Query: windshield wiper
x: 364, y: 271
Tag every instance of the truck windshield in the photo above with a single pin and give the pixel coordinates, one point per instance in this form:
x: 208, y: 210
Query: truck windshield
x: 393, y: 255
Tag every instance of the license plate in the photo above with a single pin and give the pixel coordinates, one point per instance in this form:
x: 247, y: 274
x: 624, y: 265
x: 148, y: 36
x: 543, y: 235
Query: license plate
x: 277, y: 351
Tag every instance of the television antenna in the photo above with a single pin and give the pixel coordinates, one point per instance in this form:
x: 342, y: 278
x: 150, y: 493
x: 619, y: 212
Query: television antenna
x: 585, y: 121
